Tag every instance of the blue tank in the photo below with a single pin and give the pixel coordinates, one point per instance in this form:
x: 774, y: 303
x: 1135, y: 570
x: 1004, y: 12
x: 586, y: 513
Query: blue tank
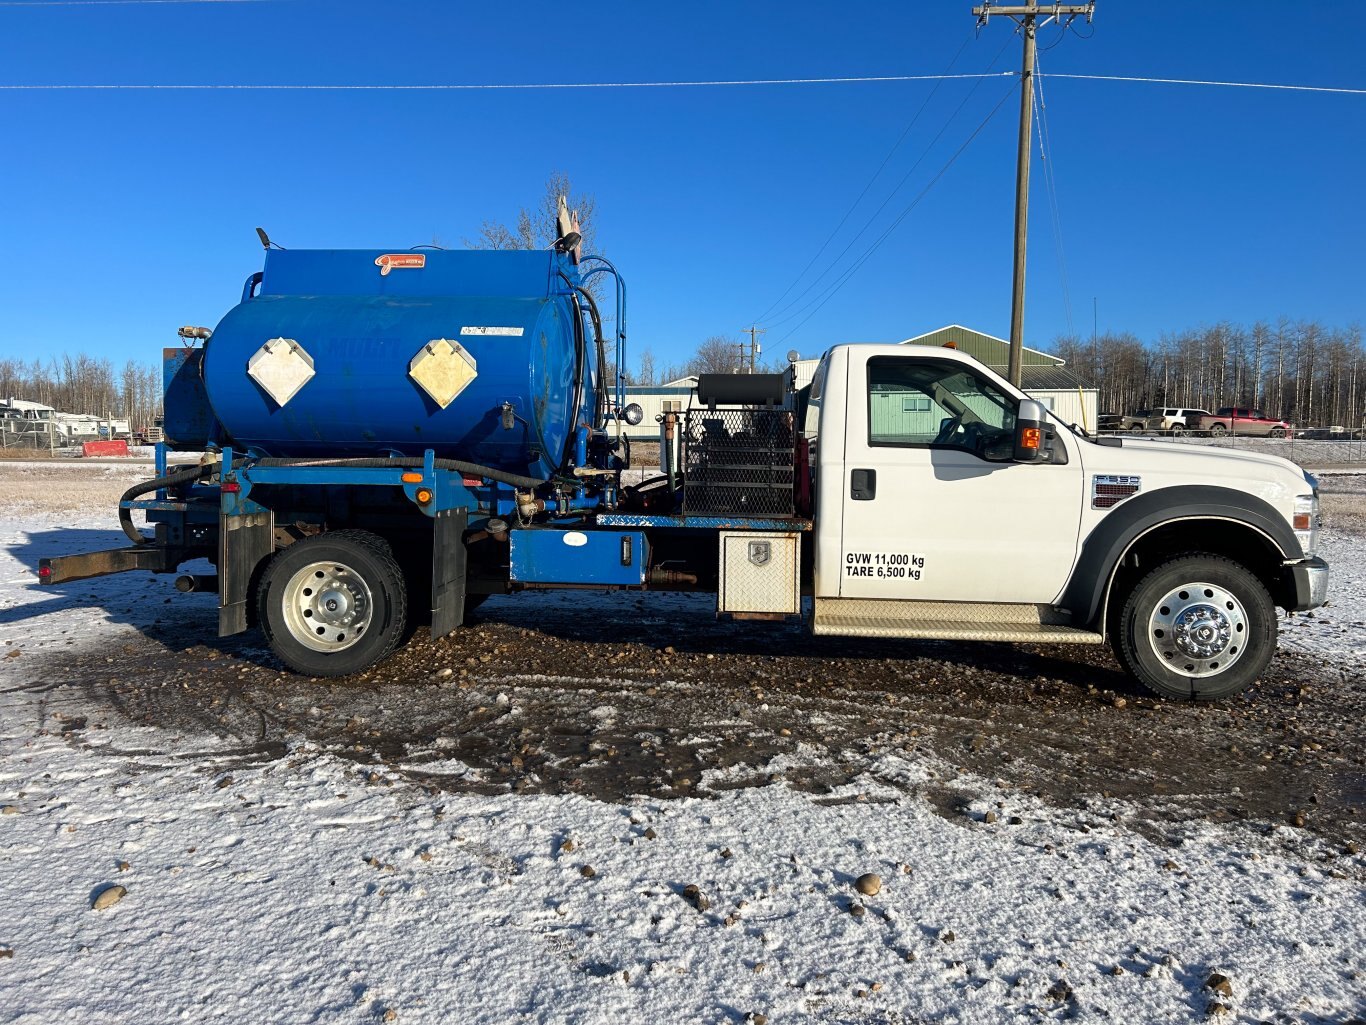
x: 350, y: 323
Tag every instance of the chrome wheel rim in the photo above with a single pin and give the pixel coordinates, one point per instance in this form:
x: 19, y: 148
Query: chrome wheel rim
x: 327, y: 606
x: 1198, y: 629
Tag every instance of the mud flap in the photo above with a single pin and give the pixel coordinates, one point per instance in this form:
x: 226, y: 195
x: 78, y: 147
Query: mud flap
x: 244, y: 541
x: 448, y: 570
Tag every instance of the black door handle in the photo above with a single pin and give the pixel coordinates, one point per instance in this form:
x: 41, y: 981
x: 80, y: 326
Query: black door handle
x: 863, y: 485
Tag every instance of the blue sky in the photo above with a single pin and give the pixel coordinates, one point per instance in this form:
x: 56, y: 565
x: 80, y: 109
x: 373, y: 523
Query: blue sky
x: 127, y: 214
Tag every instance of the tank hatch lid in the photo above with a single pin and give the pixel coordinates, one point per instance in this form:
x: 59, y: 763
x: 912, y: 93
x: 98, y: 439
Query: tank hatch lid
x: 281, y: 367
x: 443, y: 369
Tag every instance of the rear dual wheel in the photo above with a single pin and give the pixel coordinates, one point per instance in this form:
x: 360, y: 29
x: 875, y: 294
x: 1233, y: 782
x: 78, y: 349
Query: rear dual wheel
x: 333, y: 604
x: 1199, y: 626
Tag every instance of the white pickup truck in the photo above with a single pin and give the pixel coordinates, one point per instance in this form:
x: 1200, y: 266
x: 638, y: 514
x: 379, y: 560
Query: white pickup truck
x: 950, y: 505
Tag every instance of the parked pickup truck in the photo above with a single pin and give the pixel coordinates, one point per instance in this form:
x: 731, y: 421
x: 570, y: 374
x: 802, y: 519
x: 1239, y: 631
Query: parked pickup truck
x: 1240, y: 420
x: 1173, y: 420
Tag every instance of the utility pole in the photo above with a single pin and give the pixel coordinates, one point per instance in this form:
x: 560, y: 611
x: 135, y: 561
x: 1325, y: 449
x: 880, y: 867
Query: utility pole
x: 754, y: 348
x: 1027, y: 17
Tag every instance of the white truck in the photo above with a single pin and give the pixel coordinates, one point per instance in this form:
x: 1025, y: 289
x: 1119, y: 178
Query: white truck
x: 949, y: 505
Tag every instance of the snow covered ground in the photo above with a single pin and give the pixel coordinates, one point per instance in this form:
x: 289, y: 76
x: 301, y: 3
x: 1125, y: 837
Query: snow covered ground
x: 309, y: 887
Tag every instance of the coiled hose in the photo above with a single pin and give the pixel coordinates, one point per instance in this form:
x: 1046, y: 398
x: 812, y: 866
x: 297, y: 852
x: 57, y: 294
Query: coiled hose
x: 171, y: 480
x: 198, y: 472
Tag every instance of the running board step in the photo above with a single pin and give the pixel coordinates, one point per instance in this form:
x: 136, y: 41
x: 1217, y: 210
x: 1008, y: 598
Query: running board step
x: 946, y: 621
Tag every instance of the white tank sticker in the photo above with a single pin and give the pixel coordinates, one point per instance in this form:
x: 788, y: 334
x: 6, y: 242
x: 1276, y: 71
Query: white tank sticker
x: 575, y: 538
x: 514, y: 332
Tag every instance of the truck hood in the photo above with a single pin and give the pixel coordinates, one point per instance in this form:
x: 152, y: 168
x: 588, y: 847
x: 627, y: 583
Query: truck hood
x: 1166, y: 464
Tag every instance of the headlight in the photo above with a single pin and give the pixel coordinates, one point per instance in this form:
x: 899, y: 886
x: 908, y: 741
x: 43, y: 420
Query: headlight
x: 1306, y: 522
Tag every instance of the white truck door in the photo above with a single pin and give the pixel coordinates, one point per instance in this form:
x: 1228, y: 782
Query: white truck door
x: 932, y: 506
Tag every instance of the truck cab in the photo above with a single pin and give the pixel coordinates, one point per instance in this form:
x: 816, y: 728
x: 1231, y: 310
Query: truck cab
x: 931, y: 521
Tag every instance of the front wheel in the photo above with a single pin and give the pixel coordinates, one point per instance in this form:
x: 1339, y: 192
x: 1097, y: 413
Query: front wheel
x: 1199, y: 626
x: 1218, y: 431
x: 1278, y: 432
x: 334, y: 603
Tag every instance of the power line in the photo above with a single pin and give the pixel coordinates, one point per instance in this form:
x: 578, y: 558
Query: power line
x: 451, y: 86
x: 1051, y: 187
x: 868, y: 253
x: 1231, y: 85
x: 880, y: 168
x: 448, y: 86
x: 800, y: 303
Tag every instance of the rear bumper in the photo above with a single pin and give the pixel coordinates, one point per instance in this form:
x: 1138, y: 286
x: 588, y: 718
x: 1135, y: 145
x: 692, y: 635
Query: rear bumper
x: 1311, y: 584
x: 62, y: 568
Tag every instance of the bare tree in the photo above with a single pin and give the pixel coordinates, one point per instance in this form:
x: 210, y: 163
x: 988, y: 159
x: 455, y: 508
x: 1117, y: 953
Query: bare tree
x: 646, y: 374
x: 719, y: 354
x: 536, y: 228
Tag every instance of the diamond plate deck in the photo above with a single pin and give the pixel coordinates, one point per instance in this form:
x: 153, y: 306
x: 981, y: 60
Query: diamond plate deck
x: 942, y: 620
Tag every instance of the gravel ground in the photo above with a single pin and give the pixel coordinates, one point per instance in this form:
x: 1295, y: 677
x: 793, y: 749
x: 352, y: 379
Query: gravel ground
x: 620, y: 695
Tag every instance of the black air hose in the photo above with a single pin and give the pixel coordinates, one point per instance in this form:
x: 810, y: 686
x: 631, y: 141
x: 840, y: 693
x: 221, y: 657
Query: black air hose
x: 197, y: 472
x: 185, y: 476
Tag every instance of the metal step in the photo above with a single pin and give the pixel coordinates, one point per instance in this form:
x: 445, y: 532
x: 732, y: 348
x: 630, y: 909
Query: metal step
x: 946, y: 620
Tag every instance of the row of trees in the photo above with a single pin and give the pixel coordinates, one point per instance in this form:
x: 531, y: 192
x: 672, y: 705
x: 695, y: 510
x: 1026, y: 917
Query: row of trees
x: 1305, y: 371
x: 84, y: 384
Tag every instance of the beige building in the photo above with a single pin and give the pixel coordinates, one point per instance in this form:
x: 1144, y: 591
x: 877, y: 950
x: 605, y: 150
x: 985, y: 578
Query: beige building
x: 1044, y: 377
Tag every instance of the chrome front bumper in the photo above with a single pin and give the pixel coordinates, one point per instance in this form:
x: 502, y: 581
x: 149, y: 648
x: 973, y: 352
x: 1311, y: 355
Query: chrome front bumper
x: 1311, y: 584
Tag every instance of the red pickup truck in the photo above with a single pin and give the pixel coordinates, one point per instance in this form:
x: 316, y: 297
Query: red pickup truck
x: 1242, y: 420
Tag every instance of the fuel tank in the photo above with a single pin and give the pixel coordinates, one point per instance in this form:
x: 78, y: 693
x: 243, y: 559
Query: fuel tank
x: 479, y: 355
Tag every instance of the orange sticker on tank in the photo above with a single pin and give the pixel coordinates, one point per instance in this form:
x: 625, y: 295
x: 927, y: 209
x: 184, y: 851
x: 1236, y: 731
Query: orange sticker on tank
x: 403, y: 261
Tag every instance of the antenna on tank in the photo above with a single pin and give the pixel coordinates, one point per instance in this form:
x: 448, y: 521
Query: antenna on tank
x: 266, y: 243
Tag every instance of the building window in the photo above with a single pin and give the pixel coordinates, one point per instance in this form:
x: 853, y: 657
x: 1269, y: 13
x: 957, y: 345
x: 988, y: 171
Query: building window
x: 909, y: 405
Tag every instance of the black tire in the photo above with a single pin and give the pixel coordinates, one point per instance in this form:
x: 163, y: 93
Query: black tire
x: 1198, y: 626
x: 1278, y: 432
x: 360, y: 604
x: 1218, y: 430
x: 1178, y: 430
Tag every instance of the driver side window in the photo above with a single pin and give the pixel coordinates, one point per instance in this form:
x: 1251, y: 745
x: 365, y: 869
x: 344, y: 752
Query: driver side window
x: 935, y: 403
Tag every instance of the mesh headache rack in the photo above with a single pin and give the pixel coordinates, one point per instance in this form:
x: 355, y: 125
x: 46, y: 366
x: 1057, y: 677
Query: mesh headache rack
x: 739, y: 461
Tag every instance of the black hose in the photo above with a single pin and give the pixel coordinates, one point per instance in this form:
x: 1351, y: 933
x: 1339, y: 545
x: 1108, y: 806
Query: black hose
x: 185, y: 476
x: 600, y: 410
x: 194, y: 473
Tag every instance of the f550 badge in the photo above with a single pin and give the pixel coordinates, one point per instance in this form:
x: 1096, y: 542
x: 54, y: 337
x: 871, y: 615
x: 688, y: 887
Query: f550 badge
x: 400, y: 261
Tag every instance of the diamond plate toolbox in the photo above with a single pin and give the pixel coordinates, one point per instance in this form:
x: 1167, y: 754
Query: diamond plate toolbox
x: 760, y: 573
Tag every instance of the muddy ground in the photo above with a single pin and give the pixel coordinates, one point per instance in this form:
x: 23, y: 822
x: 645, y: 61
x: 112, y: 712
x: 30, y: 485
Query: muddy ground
x: 614, y: 696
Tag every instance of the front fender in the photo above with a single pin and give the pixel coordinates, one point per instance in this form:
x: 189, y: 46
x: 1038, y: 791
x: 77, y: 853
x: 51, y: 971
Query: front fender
x: 1105, y: 547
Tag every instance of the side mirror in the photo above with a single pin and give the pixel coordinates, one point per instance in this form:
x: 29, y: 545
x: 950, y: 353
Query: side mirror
x: 1031, y: 429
